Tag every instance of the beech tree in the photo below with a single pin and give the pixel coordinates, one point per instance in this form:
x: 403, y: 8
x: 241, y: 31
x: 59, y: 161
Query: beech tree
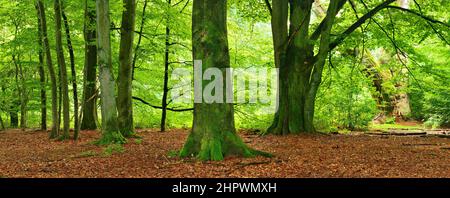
x: 41, y: 12
x: 110, y: 129
x: 124, y: 99
x: 63, y: 71
x: 300, y: 64
x: 213, y: 134
x: 89, y: 113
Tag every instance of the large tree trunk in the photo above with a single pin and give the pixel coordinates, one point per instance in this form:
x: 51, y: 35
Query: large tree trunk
x: 166, y: 71
x: 73, y: 73
x: 42, y: 76
x: 63, y: 71
x: 300, y: 71
x: 41, y: 11
x: 90, y: 68
x: 213, y: 134
x: 110, y: 129
x: 124, y: 100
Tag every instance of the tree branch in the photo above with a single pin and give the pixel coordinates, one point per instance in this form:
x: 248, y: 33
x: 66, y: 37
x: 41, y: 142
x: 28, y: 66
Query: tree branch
x: 358, y: 23
x: 419, y: 15
x: 315, y: 35
x: 158, y: 107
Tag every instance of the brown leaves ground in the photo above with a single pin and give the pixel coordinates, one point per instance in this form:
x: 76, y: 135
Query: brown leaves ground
x: 32, y: 154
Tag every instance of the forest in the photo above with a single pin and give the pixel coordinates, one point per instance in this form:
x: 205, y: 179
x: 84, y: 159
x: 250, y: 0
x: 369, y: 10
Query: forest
x: 224, y: 88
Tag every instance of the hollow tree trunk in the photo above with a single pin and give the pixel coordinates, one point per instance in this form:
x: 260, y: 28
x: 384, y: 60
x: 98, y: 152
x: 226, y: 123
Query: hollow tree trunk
x: 110, y: 129
x: 42, y: 76
x: 41, y: 12
x: 166, y: 72
x: 90, y: 68
x: 124, y: 100
x: 213, y: 134
x: 73, y: 73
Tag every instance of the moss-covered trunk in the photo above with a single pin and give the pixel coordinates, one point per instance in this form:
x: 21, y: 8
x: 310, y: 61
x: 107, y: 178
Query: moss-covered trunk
x: 110, y: 129
x: 300, y: 70
x: 90, y: 68
x: 213, y: 134
x: 124, y: 100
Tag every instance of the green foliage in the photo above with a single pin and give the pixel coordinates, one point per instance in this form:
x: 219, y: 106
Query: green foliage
x: 434, y: 122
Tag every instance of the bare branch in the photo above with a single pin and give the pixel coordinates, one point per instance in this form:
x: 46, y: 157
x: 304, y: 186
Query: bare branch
x: 158, y: 107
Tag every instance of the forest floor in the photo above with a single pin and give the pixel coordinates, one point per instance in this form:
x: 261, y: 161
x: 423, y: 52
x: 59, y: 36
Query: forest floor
x: 32, y: 154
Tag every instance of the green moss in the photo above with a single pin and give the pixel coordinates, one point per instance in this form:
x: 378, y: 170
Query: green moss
x: 189, y: 147
x: 111, y: 138
x: 113, y: 148
x: 217, y: 146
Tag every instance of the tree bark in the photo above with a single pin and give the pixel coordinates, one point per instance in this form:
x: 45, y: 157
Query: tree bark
x: 300, y: 72
x: 14, y: 119
x: 54, y: 132
x: 90, y: 68
x: 124, y: 100
x: 110, y: 129
x: 166, y: 70
x: 42, y: 75
x: 63, y: 71
x: 21, y: 89
x: 73, y: 73
x: 213, y: 134
x: 141, y: 29
x: 2, y: 125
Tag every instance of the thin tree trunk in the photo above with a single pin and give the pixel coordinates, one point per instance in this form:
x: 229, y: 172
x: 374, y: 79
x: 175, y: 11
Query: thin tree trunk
x: 89, y: 114
x: 110, y: 129
x: 20, y: 82
x: 41, y: 12
x: 23, y: 99
x: 166, y: 70
x: 124, y: 100
x: 42, y: 76
x: 73, y: 73
x: 21, y: 90
x: 213, y: 134
x: 141, y: 29
x: 63, y: 70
